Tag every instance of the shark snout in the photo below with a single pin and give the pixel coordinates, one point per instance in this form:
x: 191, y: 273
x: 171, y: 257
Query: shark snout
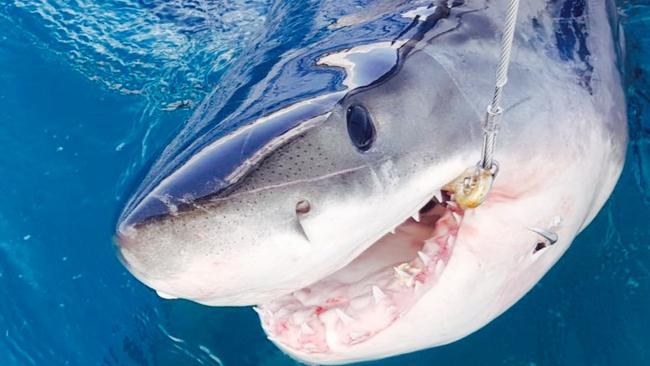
x: 211, y: 251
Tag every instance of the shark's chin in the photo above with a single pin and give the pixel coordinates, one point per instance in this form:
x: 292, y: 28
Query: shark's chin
x: 372, y: 292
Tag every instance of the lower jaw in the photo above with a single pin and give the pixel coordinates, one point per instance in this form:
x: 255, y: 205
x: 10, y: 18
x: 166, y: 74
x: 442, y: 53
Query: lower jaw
x: 338, y: 311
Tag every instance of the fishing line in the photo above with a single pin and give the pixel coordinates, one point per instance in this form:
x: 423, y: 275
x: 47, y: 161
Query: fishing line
x: 472, y: 188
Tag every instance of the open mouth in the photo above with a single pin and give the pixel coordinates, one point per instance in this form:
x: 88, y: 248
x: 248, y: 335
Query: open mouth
x: 373, y: 291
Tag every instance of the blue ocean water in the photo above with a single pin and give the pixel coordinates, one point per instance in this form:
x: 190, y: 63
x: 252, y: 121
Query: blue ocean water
x: 91, y: 92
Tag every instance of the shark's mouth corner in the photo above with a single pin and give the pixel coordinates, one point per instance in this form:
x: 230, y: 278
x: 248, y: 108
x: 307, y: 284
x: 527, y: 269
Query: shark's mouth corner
x: 372, y: 292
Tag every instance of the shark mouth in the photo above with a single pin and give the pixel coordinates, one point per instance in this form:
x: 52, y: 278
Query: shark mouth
x: 373, y: 291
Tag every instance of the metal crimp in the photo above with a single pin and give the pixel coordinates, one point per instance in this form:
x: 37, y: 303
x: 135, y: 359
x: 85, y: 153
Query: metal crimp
x: 472, y: 187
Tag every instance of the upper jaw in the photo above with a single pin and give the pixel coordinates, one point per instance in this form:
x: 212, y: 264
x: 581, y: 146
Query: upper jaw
x: 186, y: 281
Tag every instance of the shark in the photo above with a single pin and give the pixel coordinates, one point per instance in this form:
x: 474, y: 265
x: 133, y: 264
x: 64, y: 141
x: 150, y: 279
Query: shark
x: 333, y: 211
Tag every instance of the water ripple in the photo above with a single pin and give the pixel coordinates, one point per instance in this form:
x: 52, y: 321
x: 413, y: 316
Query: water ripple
x: 169, y: 50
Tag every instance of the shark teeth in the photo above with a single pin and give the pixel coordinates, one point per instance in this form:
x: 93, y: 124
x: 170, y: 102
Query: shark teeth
x: 424, y: 258
x: 432, y: 246
x: 377, y: 294
x: 417, y: 287
x: 402, y: 272
x: 456, y: 216
x: 345, y: 318
x: 440, y: 266
x: 438, y: 196
x: 416, y: 216
x: 450, y: 242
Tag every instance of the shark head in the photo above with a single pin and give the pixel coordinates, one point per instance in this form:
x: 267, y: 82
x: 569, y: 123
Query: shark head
x: 335, y: 214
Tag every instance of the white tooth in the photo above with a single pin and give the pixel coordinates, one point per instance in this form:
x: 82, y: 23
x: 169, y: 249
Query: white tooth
x: 417, y: 287
x: 424, y: 258
x: 306, y: 329
x: 392, y: 231
x: 400, y: 273
x: 438, y: 196
x: 403, y: 277
x: 432, y: 246
x: 258, y: 311
x: 416, y: 216
x: 450, y: 241
x: 345, y: 318
x: 456, y: 216
x: 378, y: 294
x: 440, y: 266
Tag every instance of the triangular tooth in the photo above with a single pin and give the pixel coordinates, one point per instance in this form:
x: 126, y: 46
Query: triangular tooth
x: 392, y: 231
x: 440, y: 266
x: 450, y: 241
x: 306, y: 329
x: 403, y: 277
x: 456, y: 216
x: 378, y: 294
x: 424, y: 258
x: 417, y: 287
x: 416, y: 216
x: 438, y: 195
x: 345, y: 318
x: 432, y: 246
x: 400, y: 273
x: 258, y: 311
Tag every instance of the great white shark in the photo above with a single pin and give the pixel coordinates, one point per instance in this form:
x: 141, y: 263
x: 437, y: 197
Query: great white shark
x: 332, y: 212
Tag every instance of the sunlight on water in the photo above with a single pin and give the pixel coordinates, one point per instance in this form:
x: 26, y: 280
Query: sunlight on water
x: 169, y: 50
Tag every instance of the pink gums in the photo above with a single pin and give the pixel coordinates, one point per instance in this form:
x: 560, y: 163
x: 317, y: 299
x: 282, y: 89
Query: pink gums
x: 334, y: 313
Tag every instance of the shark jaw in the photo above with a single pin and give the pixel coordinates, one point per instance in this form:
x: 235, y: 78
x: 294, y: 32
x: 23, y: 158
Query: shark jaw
x: 372, y: 292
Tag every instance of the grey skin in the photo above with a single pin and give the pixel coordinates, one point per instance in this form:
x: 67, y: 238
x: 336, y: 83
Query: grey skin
x: 248, y: 245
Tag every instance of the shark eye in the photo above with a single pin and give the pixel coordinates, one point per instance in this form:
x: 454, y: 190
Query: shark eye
x: 360, y: 127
